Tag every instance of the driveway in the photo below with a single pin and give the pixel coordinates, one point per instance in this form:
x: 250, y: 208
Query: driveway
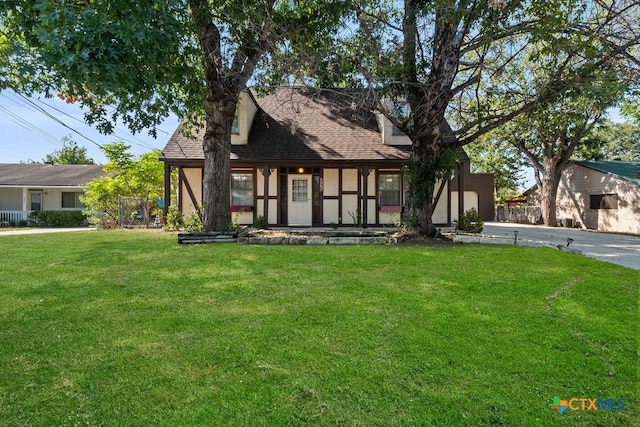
x: 619, y: 249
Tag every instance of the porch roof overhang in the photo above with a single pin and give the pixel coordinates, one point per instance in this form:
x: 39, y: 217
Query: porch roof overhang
x: 47, y: 175
x: 42, y: 187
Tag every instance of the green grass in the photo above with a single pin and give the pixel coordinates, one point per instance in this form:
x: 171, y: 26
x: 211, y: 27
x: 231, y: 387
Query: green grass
x: 129, y: 328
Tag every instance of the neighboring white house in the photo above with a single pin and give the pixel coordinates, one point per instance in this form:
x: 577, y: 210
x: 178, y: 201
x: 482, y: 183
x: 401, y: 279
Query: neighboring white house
x: 600, y: 195
x: 25, y: 188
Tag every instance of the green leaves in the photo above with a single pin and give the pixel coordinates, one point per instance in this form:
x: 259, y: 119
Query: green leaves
x: 69, y: 154
x: 108, y: 52
x: 128, y: 176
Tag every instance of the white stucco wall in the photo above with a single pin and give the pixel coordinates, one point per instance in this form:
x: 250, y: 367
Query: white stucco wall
x: 246, y: 111
x: 330, y: 211
x: 470, y: 201
x: 440, y: 212
x: 349, y: 179
x: 194, y: 177
x: 272, y: 218
x: 390, y: 218
x: 349, y: 208
x: 578, y: 183
x: 330, y: 181
x: 18, y: 198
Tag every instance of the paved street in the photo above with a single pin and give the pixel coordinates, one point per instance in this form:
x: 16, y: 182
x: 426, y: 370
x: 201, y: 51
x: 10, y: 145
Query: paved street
x: 615, y: 248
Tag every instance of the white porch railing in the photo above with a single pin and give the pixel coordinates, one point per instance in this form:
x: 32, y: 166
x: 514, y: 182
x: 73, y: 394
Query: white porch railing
x: 8, y: 218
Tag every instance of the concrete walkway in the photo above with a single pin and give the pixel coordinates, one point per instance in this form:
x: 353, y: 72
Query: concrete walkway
x: 621, y: 249
x: 42, y: 230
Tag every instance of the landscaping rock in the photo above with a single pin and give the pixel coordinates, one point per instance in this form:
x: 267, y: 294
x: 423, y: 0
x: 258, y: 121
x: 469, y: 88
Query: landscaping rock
x: 207, y: 237
x: 297, y: 241
x: 317, y: 241
x: 344, y: 240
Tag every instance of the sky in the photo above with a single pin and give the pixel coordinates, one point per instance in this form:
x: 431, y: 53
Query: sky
x: 31, y: 128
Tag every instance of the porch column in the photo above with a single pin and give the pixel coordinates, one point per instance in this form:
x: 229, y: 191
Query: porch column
x: 364, y: 171
x: 25, y: 199
x: 265, y: 205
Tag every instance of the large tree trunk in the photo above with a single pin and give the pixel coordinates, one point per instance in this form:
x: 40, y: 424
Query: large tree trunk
x: 549, y: 192
x: 422, y: 184
x: 429, y: 150
x: 217, y: 166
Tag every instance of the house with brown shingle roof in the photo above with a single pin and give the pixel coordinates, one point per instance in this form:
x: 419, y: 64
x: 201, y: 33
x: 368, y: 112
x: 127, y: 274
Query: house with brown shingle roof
x: 26, y: 187
x: 309, y: 157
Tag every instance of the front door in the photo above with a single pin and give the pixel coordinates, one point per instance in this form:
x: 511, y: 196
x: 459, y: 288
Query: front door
x: 300, y: 200
x: 35, y: 200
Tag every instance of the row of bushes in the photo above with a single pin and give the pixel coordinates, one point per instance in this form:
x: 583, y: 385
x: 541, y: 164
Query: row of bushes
x: 58, y: 218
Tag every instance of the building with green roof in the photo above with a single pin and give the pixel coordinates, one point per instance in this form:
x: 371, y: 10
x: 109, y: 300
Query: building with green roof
x: 601, y: 195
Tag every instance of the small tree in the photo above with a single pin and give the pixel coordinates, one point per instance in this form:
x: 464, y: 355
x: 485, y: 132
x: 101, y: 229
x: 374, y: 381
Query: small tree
x: 126, y: 176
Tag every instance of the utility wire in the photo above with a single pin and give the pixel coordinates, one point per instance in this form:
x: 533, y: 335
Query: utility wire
x: 57, y: 120
x: 118, y: 132
x: 26, y: 102
x: 28, y: 125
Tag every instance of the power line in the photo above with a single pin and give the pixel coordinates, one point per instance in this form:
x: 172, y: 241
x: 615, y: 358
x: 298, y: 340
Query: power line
x: 140, y: 143
x: 120, y: 133
x: 56, y: 119
x: 28, y: 125
x: 25, y: 102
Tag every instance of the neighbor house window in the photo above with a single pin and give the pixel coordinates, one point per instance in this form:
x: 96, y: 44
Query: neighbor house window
x: 604, y: 201
x: 71, y: 200
x: 241, y: 189
x: 389, y: 189
x: 235, y: 129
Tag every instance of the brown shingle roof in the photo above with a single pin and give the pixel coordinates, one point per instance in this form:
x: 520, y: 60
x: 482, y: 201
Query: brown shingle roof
x: 302, y: 124
x: 46, y: 175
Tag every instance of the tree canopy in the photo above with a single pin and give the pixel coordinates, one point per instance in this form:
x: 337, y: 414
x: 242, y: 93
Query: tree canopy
x: 135, y: 62
x: 69, y: 154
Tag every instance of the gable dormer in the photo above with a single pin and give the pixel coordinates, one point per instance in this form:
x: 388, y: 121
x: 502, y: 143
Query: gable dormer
x: 245, y: 111
x: 391, y: 135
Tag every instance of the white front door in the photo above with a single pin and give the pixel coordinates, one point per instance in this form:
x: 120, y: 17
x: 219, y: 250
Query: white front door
x: 35, y: 200
x: 300, y: 206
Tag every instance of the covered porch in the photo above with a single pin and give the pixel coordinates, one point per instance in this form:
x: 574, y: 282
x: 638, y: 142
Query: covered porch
x: 9, y: 218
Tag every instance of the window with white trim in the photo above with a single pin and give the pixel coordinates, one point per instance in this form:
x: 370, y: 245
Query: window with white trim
x: 71, y: 200
x: 389, y: 189
x: 241, y: 189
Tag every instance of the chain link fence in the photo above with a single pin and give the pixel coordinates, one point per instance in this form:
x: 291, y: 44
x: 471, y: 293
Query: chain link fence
x: 133, y: 212
x: 519, y: 214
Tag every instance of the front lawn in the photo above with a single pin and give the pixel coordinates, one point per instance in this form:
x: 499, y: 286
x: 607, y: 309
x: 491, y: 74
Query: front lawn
x: 129, y: 328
